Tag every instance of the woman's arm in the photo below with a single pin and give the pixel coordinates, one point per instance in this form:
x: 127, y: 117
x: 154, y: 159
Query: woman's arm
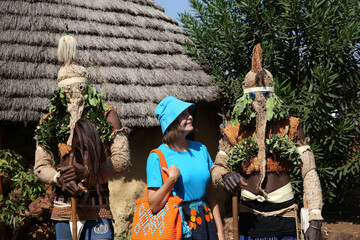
x: 211, y: 199
x: 158, y: 197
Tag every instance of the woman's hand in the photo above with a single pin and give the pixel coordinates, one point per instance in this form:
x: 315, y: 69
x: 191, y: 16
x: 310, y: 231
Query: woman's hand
x: 158, y: 197
x: 173, y: 173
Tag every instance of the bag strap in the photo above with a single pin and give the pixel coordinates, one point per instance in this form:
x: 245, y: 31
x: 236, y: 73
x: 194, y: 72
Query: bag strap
x: 162, y: 163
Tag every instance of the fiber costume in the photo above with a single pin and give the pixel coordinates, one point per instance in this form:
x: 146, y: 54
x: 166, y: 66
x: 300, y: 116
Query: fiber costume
x: 265, y: 146
x: 76, y: 99
x: 192, y: 185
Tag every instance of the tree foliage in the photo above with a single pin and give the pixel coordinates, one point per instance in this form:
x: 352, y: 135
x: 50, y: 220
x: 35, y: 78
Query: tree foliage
x: 24, y: 189
x: 312, y: 49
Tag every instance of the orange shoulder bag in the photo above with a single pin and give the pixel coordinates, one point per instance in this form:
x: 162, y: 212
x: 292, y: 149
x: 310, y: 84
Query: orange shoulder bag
x: 163, y: 225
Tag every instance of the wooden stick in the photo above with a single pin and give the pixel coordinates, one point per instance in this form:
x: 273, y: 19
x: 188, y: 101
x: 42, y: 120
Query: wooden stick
x: 73, y: 208
x: 235, y: 210
x: 73, y: 218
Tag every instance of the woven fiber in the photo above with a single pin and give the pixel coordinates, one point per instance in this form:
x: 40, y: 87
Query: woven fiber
x: 163, y: 225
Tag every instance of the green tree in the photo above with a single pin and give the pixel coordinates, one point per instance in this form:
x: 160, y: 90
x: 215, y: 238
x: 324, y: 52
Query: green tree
x: 24, y: 189
x: 312, y: 49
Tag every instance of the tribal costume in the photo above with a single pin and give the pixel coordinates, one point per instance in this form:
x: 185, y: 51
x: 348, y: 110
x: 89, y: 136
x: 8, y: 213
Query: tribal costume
x: 265, y: 146
x: 76, y: 99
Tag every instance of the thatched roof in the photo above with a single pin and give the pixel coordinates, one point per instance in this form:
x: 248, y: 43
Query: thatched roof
x: 132, y: 50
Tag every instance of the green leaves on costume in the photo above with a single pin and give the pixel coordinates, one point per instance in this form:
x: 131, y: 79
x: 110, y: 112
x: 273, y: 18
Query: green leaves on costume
x: 276, y: 109
x: 242, y: 152
x: 284, y: 148
x: 270, y: 108
x: 94, y: 110
x: 54, y: 128
x: 244, y: 113
x: 281, y: 147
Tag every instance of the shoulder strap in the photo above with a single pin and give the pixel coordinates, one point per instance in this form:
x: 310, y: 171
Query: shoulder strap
x: 162, y: 163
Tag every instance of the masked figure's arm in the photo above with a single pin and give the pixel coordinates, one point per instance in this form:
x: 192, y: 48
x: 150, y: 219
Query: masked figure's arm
x: 312, y: 188
x: 311, y: 182
x: 119, y: 160
x: 43, y: 168
x: 220, y: 168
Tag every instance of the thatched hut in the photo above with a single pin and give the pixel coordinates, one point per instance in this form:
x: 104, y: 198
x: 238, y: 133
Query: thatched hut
x: 134, y: 54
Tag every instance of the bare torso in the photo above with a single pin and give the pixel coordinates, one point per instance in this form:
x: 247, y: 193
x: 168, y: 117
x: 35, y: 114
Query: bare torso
x: 272, y: 182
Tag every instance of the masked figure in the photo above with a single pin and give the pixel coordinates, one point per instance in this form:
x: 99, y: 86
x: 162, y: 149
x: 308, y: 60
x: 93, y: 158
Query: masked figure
x: 80, y: 144
x: 260, y: 152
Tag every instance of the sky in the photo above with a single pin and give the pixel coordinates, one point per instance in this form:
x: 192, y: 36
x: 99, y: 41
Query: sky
x: 173, y: 7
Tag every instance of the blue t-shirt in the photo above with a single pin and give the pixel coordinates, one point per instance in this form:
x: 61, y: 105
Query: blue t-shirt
x: 194, y: 166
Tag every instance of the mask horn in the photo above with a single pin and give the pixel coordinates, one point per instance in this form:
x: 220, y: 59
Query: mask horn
x: 256, y: 59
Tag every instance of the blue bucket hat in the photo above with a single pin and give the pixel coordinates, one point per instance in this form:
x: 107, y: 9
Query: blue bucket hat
x: 169, y: 109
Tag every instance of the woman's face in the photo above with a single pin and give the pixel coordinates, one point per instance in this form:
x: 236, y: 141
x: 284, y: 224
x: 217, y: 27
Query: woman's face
x: 185, y: 122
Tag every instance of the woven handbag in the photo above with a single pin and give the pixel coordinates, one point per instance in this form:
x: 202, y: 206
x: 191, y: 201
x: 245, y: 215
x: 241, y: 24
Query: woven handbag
x: 163, y: 225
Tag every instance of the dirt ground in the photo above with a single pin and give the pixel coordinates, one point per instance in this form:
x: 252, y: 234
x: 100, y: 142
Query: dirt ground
x: 341, y: 231
x: 330, y: 231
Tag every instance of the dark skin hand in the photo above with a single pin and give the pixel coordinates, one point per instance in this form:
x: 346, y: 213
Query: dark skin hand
x: 72, y: 188
x: 71, y: 176
x: 314, y: 230
x: 75, y: 172
x: 234, y: 181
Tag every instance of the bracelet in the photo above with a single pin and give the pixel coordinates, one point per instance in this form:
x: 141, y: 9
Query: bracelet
x: 315, y: 227
x: 56, y: 177
x: 221, y: 152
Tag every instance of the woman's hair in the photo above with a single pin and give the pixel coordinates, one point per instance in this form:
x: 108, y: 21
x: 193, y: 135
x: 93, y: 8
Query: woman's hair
x: 86, y: 138
x: 172, y: 132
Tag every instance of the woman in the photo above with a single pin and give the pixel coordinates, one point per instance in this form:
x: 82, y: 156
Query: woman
x: 188, y: 172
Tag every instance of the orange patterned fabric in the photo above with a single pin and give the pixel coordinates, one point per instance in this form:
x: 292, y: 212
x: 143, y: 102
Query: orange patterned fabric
x: 163, y: 225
